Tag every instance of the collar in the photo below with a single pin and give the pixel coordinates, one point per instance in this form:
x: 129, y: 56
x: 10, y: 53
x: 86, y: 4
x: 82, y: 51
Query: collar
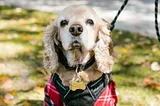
x: 85, y: 97
x: 62, y: 59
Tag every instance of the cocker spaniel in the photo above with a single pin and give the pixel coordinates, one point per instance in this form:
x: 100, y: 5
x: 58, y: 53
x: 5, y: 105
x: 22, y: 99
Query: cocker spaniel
x: 78, y: 48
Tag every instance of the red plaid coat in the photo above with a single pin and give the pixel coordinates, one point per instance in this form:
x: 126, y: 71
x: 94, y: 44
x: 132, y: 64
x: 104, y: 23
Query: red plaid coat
x: 107, y: 98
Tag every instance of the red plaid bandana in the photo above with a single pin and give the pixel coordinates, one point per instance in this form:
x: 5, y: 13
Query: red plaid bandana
x: 107, y: 98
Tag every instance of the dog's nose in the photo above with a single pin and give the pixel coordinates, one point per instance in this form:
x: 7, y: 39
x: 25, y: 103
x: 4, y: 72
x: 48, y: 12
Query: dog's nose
x: 76, y: 29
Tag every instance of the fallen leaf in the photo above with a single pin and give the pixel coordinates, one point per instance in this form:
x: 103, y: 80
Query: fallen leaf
x: 26, y: 103
x: 140, y: 103
x: 41, y: 52
x: 13, y: 93
x: 40, y: 90
x: 124, y: 50
x: 26, y: 38
x: 21, y: 21
x: 2, y: 103
x: 7, y: 101
x: 157, y: 86
x: 148, y: 81
x: 41, y: 70
x: 4, y: 77
x: 158, y: 96
x: 7, y: 84
x: 40, y: 84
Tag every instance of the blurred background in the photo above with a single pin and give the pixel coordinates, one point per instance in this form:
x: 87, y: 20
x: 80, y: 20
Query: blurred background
x: 23, y: 78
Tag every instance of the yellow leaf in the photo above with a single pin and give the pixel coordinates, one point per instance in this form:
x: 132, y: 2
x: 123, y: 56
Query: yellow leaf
x: 41, y: 70
x: 26, y: 38
x: 41, y: 52
x: 2, y: 102
x: 3, y: 78
x: 124, y: 50
x: 21, y: 21
x: 14, y: 93
x: 7, y: 101
x: 26, y: 103
x: 40, y: 90
x: 26, y: 50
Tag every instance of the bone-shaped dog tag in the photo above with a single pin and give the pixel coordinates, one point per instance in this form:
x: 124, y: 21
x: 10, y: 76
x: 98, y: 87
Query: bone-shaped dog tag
x: 78, y: 85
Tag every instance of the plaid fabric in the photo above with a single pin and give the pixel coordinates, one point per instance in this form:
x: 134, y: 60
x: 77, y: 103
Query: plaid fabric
x: 107, y: 98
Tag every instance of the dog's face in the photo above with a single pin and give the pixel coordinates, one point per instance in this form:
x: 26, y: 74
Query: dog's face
x: 78, y: 28
x: 80, y: 31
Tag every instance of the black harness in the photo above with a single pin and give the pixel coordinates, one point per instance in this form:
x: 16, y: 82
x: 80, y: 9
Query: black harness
x: 85, y: 97
x: 79, y: 97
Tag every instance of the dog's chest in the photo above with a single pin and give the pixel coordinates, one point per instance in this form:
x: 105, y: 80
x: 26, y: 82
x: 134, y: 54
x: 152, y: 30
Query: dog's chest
x: 86, y: 97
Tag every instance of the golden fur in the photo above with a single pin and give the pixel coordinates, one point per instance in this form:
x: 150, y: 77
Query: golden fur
x: 95, y: 40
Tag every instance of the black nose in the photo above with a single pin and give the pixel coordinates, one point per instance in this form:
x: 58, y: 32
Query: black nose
x: 76, y: 29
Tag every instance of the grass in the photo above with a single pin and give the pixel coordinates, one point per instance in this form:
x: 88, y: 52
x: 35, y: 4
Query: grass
x: 22, y: 76
x: 135, y: 55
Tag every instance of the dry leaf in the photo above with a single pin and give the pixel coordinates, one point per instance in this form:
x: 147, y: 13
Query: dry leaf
x: 4, y: 77
x: 26, y: 38
x: 41, y: 70
x: 158, y: 96
x: 124, y: 50
x: 40, y: 90
x: 7, y: 101
x: 7, y: 84
x: 21, y: 21
x: 26, y: 103
x: 158, y: 86
x: 13, y: 93
x: 148, y: 81
x: 2, y: 103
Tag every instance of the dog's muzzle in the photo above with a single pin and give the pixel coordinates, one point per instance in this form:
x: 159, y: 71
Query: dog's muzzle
x: 76, y: 45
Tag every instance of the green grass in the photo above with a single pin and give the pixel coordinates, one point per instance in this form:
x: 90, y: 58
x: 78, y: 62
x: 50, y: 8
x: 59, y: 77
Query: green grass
x: 21, y: 51
x: 135, y: 54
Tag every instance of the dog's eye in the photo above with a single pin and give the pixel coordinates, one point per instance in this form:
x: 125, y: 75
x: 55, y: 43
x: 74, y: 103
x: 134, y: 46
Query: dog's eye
x: 90, y: 22
x: 63, y: 23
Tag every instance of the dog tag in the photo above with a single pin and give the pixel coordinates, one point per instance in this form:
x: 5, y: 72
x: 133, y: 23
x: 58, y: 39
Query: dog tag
x: 78, y: 85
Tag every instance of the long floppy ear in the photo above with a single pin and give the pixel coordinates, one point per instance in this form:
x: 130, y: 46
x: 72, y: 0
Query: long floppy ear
x: 50, y: 56
x: 104, y: 53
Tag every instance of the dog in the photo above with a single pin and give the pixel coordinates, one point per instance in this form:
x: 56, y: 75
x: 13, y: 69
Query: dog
x: 79, y: 52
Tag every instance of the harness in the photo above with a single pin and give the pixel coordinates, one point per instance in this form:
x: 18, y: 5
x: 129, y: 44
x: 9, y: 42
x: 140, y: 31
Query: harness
x: 79, y: 97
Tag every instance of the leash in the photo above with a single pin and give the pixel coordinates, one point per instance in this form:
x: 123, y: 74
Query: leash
x: 156, y: 19
x: 118, y: 13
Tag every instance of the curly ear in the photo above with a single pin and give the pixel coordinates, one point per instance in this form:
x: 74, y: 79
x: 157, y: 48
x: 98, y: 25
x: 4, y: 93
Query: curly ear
x: 50, y: 56
x: 104, y: 53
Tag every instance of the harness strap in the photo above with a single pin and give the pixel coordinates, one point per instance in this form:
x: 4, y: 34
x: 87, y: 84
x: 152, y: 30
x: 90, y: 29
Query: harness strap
x: 90, y: 94
x: 118, y: 13
x: 156, y: 19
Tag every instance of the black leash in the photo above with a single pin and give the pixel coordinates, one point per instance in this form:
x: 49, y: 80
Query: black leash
x: 118, y: 13
x: 156, y: 19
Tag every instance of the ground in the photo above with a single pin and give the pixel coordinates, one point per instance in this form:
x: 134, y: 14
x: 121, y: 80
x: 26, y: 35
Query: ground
x: 23, y: 78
